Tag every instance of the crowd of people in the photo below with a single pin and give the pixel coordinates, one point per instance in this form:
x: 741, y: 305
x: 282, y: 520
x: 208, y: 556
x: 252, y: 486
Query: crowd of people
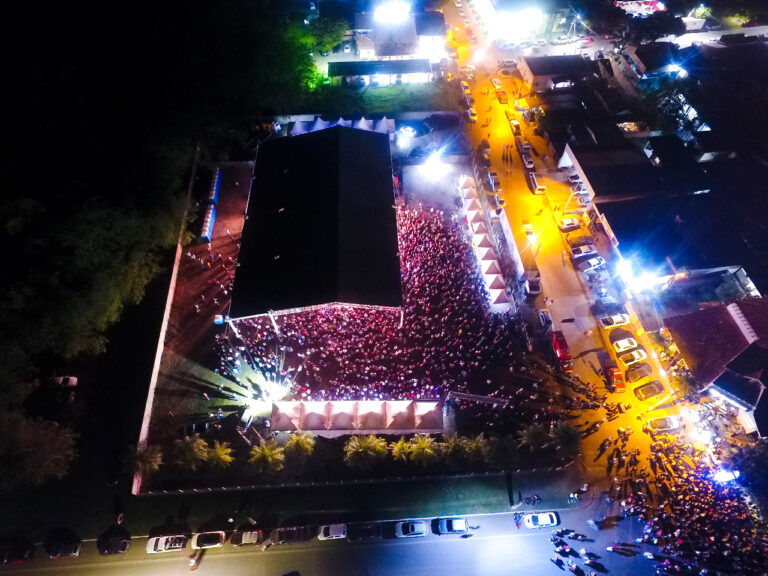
x: 447, y: 333
x: 704, y: 522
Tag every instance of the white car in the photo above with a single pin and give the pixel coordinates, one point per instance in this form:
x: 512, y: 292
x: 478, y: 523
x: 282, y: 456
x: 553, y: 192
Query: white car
x: 160, y: 544
x: 410, y: 529
x: 591, y: 264
x: 213, y: 539
x: 664, y: 424
x: 633, y: 357
x: 624, y: 344
x: 452, y: 526
x: 472, y: 115
x: 568, y: 225
x: 582, y: 251
x: 245, y: 537
x: 614, y: 321
x: 332, y: 532
x: 497, y: 85
x: 541, y: 520
x: 528, y: 161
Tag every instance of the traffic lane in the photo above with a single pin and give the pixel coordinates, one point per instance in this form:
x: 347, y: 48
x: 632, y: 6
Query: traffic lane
x: 495, y: 547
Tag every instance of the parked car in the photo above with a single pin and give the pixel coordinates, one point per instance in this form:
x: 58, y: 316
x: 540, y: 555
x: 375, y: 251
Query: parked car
x: 410, y: 529
x: 545, y: 319
x: 540, y: 520
x: 591, y: 264
x: 633, y: 357
x: 16, y: 550
x: 574, y: 178
x: 115, y: 540
x: 246, y: 537
x: 497, y: 85
x: 292, y: 535
x: 362, y: 532
x: 614, y: 321
x: 332, y: 532
x: 664, y: 424
x: 213, y: 539
x: 576, y: 241
x: 624, y: 344
x: 63, y: 543
x: 583, y: 200
x: 637, y: 372
x: 452, y: 526
x: 502, y: 97
x: 583, y: 251
x: 527, y: 161
x: 568, y: 225
x: 160, y: 544
x: 63, y: 382
x: 472, y: 115
x: 494, y: 181
x: 649, y: 390
x: 614, y: 376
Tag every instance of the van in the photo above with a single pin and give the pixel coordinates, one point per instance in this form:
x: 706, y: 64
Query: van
x: 562, y: 351
x: 534, y: 185
x: 532, y: 284
x: 577, y: 241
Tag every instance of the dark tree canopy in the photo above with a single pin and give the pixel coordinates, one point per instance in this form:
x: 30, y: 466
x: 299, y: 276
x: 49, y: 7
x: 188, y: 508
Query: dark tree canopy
x: 109, y: 103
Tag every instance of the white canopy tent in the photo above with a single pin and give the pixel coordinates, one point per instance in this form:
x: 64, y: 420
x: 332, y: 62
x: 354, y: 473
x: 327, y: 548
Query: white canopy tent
x: 298, y: 128
x: 385, y: 125
x: 319, y: 124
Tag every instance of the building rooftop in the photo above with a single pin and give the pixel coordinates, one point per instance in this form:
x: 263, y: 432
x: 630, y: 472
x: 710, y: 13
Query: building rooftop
x: 368, y: 67
x: 321, y: 225
x: 711, y: 340
x: 557, y: 65
x: 430, y: 24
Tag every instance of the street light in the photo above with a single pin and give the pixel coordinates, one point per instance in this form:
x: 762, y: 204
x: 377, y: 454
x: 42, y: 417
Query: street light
x: 392, y: 13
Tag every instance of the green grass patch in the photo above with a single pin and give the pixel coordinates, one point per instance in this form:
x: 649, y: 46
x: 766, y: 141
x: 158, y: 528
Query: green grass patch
x: 383, y: 100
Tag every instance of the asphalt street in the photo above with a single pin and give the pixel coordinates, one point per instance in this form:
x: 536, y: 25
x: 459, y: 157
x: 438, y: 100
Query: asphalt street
x: 496, y: 547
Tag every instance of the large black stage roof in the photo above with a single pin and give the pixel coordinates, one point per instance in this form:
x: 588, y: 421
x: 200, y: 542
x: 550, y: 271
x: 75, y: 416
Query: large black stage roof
x: 321, y: 225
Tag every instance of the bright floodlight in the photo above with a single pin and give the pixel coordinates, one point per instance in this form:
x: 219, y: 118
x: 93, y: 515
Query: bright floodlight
x: 392, y: 12
x: 725, y: 475
x: 624, y: 268
x: 515, y: 26
x: 433, y: 167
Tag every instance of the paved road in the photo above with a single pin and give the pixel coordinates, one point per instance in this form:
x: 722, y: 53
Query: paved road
x: 496, y: 547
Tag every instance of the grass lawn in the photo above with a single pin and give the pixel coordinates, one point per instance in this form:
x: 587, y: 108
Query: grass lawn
x: 382, y: 100
x: 91, y: 507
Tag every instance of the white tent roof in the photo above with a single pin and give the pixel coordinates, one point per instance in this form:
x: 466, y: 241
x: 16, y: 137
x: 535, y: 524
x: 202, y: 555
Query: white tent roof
x: 494, y: 282
x: 479, y: 228
x: 298, y: 128
x: 342, y: 122
x: 485, y: 254
x: 482, y: 241
x: 363, y: 124
x: 385, y: 125
x: 490, y: 267
x: 319, y: 124
x: 471, y: 204
x: 474, y: 216
x: 498, y: 296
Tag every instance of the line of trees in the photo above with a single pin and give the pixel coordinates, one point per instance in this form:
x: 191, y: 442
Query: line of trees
x: 109, y: 103
x: 368, y: 452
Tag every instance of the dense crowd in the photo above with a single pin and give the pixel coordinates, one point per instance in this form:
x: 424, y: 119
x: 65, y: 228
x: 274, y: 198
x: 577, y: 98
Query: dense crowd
x: 706, y: 523
x: 447, y: 335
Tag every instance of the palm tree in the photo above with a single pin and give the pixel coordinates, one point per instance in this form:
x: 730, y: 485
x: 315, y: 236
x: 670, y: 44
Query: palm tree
x: 268, y: 458
x: 190, y: 452
x: 146, y: 461
x: 400, y: 449
x: 503, y: 452
x: 567, y: 439
x: 476, y: 448
x: 424, y: 450
x: 300, y: 444
x: 220, y: 455
x: 455, y: 450
x: 363, y: 452
x: 534, y: 436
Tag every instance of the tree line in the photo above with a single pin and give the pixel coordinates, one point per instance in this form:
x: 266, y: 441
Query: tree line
x: 365, y: 453
x: 108, y: 104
